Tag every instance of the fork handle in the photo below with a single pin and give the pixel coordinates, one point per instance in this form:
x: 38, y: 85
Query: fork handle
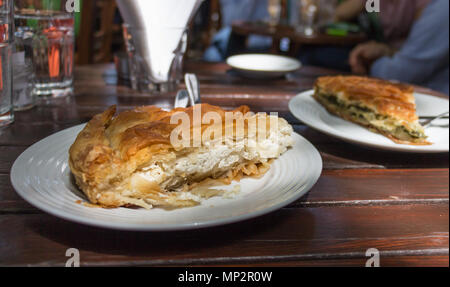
x: 429, y: 122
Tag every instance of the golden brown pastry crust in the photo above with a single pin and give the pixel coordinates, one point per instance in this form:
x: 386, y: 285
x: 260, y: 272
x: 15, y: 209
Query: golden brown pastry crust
x: 374, y: 129
x: 110, y: 149
x: 384, y: 97
x: 394, y: 100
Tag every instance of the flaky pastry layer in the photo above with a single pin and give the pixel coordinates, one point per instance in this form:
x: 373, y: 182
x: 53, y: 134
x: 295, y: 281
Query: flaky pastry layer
x: 129, y: 160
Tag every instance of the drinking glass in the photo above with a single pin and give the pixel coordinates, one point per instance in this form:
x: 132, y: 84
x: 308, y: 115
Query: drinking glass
x: 308, y: 17
x: 6, y: 44
x: 158, y: 72
x: 314, y: 14
x: 49, y: 44
x: 23, y: 75
x: 274, y: 9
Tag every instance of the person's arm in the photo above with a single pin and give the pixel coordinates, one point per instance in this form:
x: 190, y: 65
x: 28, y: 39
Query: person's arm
x: 363, y: 56
x: 425, y: 51
x: 349, y: 10
x: 420, y: 6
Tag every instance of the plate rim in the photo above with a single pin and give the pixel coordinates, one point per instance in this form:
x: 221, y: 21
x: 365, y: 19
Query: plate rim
x: 352, y: 140
x: 281, y: 71
x: 17, y: 184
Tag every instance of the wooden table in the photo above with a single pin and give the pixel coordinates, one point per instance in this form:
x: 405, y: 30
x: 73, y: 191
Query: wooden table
x: 397, y: 203
x: 241, y: 30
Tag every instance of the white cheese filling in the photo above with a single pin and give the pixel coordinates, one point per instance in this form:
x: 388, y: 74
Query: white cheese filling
x: 218, y: 158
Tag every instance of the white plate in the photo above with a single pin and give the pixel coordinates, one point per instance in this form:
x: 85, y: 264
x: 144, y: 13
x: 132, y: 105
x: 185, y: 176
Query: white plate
x: 263, y: 65
x: 42, y: 177
x: 310, y: 112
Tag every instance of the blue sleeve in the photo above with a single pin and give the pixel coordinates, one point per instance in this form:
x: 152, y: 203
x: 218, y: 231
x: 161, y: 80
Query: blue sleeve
x: 248, y: 10
x: 425, y: 51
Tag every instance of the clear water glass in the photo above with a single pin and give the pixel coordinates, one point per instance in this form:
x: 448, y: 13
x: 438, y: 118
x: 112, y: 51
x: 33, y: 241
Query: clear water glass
x: 314, y: 14
x: 6, y: 45
x: 308, y: 17
x: 49, y: 44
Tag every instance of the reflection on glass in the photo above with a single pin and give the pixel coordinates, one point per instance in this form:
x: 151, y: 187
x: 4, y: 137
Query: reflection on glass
x: 6, y: 44
x: 23, y: 97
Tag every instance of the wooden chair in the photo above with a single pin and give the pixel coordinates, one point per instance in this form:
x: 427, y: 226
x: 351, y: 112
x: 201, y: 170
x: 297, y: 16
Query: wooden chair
x: 97, y: 32
x: 202, y: 32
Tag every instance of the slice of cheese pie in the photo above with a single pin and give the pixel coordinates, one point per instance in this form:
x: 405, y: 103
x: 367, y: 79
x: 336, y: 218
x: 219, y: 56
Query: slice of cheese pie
x: 132, y: 159
x: 384, y: 107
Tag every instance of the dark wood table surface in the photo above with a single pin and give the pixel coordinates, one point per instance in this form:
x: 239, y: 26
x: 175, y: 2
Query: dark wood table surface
x: 241, y: 30
x: 397, y: 203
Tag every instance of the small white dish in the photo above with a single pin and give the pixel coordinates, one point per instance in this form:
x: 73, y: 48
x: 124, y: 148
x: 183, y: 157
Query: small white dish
x: 263, y: 65
x: 42, y: 177
x: 309, y: 111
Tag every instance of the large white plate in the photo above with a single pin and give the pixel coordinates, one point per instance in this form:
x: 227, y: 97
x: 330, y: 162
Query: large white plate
x: 42, y: 177
x: 263, y: 65
x: 310, y: 112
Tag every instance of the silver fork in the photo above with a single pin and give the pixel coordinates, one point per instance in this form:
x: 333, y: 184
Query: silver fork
x: 429, y: 122
x: 193, y: 88
x: 182, y: 99
x: 191, y: 96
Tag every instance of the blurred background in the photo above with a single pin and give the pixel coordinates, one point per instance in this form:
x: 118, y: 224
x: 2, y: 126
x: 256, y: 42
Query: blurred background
x: 345, y: 35
x: 99, y: 28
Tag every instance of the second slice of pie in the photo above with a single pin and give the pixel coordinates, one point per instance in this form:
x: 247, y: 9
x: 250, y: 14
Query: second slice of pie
x: 384, y: 107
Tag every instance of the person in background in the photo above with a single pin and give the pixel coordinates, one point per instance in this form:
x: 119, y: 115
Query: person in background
x: 233, y: 10
x: 423, y: 59
x: 395, y: 19
x: 391, y: 26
